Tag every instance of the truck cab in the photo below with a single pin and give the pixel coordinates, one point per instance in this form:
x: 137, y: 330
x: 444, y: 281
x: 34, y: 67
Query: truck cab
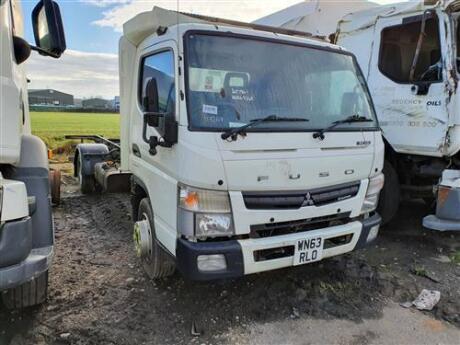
x: 251, y: 148
x: 26, y: 227
x: 412, y: 72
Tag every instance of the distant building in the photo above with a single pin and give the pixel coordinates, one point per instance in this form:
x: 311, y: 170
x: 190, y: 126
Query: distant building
x: 96, y: 103
x: 50, y: 97
x: 78, y: 102
x: 115, y: 103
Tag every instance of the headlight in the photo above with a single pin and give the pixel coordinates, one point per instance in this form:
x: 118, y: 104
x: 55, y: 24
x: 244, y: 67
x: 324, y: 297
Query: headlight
x: 204, y: 213
x: 213, y: 224
x: 202, y: 200
x: 372, y: 194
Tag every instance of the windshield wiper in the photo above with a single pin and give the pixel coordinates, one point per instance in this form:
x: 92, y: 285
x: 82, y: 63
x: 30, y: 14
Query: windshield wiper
x: 350, y: 119
x: 233, y: 133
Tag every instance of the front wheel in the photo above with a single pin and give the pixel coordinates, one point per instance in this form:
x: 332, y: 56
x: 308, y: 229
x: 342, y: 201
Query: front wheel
x: 390, y: 195
x: 29, y: 294
x: 156, y: 262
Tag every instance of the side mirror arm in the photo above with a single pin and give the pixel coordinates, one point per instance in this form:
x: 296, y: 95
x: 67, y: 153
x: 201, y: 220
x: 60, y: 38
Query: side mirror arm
x: 45, y: 52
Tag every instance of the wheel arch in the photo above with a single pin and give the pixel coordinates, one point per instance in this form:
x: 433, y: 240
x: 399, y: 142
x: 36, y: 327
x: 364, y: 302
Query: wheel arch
x: 390, y: 154
x: 139, y: 191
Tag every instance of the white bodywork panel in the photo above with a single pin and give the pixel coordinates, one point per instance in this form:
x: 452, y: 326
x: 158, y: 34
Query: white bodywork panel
x: 14, y: 201
x: 413, y: 124
x: 14, y: 117
x: 201, y: 159
x: 316, y: 16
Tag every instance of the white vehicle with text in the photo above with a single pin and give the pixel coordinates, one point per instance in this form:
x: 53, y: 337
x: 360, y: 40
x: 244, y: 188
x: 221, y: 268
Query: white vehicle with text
x: 409, y: 53
x: 26, y: 227
x: 250, y: 148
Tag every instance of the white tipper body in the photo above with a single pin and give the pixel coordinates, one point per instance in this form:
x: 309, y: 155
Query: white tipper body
x: 199, y: 158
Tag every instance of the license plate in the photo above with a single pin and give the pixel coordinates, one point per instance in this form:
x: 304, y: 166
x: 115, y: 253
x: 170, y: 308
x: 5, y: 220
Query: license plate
x: 308, y: 250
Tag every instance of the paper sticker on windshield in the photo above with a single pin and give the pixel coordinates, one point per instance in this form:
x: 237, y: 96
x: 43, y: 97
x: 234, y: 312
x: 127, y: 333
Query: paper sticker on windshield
x: 209, y: 83
x: 241, y: 95
x: 209, y: 109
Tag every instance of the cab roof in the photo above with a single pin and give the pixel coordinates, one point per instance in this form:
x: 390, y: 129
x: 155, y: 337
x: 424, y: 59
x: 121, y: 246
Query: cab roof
x: 159, y: 19
x: 367, y: 18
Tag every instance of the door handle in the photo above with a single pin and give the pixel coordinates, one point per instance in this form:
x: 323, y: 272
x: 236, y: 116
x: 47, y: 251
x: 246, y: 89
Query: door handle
x: 136, y: 150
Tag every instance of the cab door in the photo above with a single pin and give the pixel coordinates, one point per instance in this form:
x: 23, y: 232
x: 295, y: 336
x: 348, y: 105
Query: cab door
x: 410, y: 105
x: 156, y: 171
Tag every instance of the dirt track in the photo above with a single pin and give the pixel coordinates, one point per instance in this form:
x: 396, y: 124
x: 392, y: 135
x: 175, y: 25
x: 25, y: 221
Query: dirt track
x: 99, y: 294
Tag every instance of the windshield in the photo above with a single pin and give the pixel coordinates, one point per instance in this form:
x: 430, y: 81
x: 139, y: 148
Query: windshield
x: 233, y: 80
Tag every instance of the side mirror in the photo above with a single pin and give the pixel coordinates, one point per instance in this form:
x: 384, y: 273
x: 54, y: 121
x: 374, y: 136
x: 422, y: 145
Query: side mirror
x: 150, y: 102
x: 48, y: 28
x: 165, y: 123
x: 168, y: 129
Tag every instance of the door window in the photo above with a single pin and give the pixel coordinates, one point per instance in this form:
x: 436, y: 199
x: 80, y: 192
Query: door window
x: 399, y: 44
x: 161, y: 67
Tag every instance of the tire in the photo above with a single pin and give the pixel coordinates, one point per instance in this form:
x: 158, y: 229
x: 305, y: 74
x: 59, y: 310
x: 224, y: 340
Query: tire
x: 429, y: 201
x: 390, y: 196
x: 158, y: 264
x: 55, y: 186
x: 87, y: 183
x: 29, y: 294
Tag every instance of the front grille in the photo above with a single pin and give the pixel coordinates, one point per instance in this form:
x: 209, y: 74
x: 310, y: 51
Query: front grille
x: 298, y: 199
x: 273, y: 253
x: 291, y: 227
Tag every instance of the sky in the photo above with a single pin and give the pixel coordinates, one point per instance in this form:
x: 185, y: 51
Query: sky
x: 89, y: 67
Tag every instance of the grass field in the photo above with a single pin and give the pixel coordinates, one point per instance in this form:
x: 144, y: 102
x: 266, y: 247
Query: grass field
x: 52, y: 127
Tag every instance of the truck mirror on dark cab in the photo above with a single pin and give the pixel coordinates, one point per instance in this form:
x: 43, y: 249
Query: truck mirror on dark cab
x: 48, y: 29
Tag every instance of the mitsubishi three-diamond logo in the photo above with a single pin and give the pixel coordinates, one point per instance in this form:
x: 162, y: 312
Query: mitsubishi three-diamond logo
x: 308, y: 200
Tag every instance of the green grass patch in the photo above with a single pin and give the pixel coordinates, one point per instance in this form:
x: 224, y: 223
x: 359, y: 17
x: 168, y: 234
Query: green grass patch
x: 52, y: 127
x: 419, y: 271
x: 455, y: 257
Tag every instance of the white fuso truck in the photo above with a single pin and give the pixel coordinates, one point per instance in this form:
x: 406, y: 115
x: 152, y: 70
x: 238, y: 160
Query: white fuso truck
x: 26, y: 227
x: 251, y: 148
x: 409, y: 53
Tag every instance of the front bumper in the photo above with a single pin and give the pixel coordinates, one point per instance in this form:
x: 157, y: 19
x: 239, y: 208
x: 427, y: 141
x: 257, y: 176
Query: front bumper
x: 240, y: 254
x: 20, y: 263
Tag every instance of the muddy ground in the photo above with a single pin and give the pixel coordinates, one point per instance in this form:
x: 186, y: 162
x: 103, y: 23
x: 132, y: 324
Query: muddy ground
x: 99, y: 295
